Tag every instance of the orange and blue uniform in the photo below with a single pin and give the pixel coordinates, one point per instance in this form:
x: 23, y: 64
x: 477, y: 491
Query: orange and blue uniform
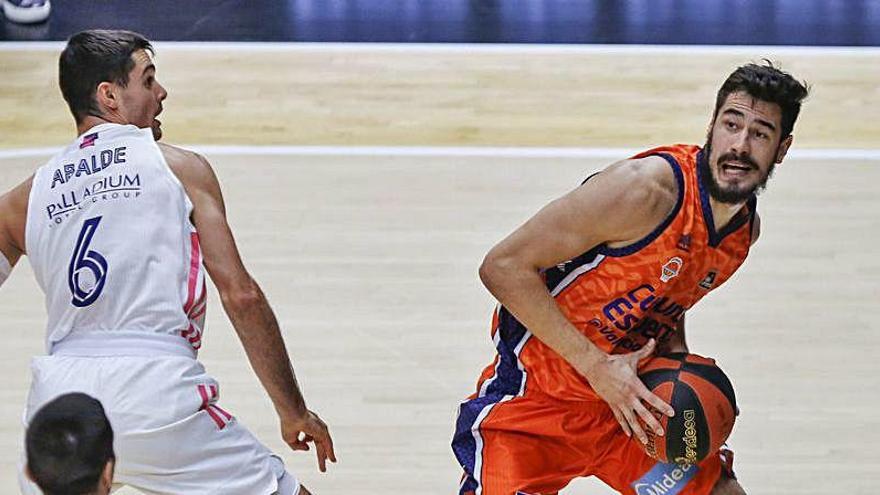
x: 534, y: 423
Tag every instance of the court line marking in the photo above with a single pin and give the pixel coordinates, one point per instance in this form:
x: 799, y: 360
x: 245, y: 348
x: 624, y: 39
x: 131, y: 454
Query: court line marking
x: 472, y: 48
x: 451, y: 151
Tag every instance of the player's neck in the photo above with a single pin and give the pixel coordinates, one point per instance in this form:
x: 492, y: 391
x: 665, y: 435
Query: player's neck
x: 90, y: 121
x: 723, y: 213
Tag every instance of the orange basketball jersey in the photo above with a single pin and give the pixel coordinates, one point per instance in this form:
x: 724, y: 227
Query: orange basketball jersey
x: 534, y: 423
x: 622, y: 297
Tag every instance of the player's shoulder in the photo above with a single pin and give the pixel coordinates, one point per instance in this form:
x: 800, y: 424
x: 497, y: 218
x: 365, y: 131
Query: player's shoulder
x: 649, y: 171
x: 13, y: 214
x: 192, y: 169
x: 187, y: 165
x: 647, y: 180
x: 181, y: 157
x: 18, y: 196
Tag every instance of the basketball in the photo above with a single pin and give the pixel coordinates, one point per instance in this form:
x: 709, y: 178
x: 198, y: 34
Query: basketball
x: 704, y: 403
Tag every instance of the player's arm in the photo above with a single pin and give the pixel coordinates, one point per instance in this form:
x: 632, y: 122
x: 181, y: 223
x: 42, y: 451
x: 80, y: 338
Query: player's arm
x: 13, y: 216
x: 618, y: 206
x: 247, y: 307
x: 676, y: 342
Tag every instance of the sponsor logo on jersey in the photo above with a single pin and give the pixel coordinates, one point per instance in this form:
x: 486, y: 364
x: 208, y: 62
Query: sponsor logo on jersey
x: 684, y: 242
x: 671, y: 269
x: 665, y: 479
x: 88, y: 140
x: 636, y: 314
x: 709, y: 280
x: 122, y: 186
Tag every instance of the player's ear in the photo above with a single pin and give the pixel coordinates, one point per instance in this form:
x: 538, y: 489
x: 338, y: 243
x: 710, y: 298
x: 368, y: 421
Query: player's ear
x: 783, y: 148
x: 106, y: 96
x: 28, y: 473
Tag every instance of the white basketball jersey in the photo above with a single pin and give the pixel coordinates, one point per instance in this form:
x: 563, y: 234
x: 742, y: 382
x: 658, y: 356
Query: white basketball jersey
x: 110, y: 240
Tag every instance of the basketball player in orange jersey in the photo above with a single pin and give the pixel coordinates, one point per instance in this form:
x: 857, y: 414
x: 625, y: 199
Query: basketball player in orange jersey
x: 599, y: 280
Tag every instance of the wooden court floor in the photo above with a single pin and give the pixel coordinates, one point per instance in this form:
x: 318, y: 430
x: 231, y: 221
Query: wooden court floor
x: 370, y: 261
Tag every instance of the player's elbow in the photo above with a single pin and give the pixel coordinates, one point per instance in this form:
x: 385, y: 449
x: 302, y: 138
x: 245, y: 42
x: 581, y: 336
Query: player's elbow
x: 242, y: 297
x: 497, y: 270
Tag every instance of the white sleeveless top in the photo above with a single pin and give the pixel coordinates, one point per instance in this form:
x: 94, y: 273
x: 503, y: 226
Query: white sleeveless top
x: 112, y: 246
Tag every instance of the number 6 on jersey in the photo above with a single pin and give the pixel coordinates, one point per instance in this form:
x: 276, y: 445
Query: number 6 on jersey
x: 86, y: 289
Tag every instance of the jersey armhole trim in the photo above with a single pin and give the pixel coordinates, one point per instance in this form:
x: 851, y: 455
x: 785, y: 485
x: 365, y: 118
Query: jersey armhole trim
x: 172, y: 177
x: 638, y: 245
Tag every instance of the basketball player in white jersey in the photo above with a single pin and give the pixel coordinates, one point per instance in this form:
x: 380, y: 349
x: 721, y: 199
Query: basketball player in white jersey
x: 119, y: 231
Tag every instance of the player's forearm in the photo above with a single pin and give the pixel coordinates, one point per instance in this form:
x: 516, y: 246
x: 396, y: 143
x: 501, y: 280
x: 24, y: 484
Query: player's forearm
x: 258, y: 330
x: 522, y: 291
x: 676, y: 342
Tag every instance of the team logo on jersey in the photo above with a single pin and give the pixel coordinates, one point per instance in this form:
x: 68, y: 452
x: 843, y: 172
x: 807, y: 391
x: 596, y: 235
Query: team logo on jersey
x: 88, y: 140
x: 709, y: 280
x: 684, y: 242
x: 670, y: 269
x: 665, y: 479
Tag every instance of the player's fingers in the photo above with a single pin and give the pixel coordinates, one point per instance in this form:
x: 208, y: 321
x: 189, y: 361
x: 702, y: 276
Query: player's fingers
x: 298, y: 445
x: 322, y: 457
x: 322, y: 438
x: 655, y: 402
x: 328, y: 444
x: 647, y: 350
x: 634, y: 425
x: 648, y: 418
x: 303, y: 439
x: 623, y: 424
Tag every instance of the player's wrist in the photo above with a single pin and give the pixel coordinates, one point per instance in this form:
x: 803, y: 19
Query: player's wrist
x: 591, y: 361
x: 295, y: 411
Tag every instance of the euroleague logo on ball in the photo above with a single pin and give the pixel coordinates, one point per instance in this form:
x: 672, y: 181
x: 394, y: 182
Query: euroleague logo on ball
x: 651, y: 445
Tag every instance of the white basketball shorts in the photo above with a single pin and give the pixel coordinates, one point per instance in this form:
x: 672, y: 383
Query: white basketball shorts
x: 171, y: 436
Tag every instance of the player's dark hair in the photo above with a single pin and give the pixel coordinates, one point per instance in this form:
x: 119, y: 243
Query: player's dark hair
x: 766, y: 82
x: 69, y: 442
x: 92, y: 57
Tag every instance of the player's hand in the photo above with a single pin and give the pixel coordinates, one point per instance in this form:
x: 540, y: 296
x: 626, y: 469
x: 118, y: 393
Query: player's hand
x: 615, y: 379
x: 299, y: 432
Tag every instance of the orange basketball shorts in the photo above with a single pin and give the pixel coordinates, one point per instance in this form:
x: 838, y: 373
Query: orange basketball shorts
x: 510, y: 441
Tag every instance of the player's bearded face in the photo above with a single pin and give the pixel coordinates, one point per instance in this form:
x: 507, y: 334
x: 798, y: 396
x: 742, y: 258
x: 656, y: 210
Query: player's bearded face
x: 742, y: 148
x: 737, y: 189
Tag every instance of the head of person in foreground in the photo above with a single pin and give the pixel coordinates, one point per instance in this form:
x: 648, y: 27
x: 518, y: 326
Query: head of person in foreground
x: 69, y: 445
